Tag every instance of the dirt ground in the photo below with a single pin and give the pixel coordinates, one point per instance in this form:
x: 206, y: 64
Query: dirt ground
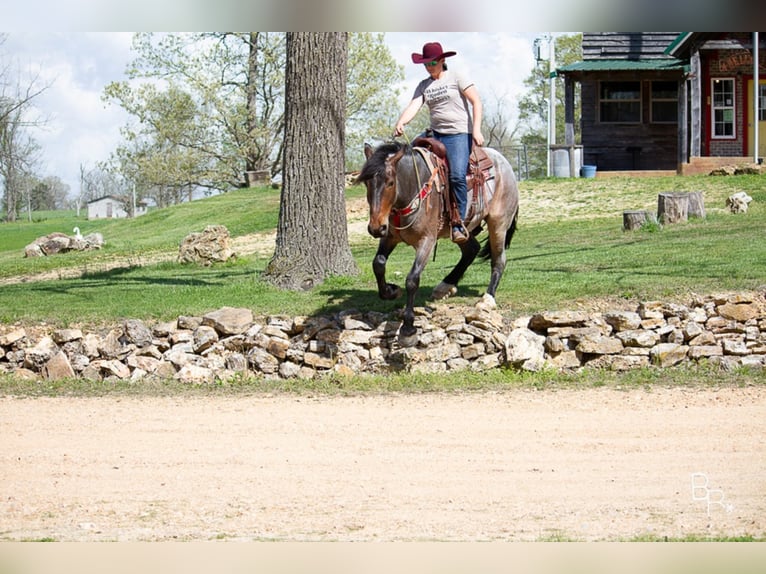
x: 591, y: 464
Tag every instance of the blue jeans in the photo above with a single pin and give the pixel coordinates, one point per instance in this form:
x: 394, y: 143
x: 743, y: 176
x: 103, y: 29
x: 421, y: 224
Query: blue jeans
x: 458, y: 151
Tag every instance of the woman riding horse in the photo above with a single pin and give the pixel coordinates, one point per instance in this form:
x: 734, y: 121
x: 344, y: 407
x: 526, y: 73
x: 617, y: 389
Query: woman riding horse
x: 407, y: 205
x: 447, y: 93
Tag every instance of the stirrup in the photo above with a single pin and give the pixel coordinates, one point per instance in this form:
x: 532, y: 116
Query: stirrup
x: 459, y: 233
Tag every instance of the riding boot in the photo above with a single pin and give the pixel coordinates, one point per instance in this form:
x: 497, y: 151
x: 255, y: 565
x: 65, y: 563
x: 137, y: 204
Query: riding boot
x: 460, y: 232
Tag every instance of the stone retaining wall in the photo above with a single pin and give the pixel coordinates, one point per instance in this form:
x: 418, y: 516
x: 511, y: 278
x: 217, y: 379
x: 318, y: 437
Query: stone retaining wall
x: 729, y: 330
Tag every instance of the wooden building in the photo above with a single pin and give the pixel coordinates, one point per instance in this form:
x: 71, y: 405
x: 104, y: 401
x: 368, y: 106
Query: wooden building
x: 682, y: 102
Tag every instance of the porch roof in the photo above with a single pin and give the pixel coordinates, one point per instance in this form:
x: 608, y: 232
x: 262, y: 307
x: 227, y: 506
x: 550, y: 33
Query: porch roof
x: 652, y: 65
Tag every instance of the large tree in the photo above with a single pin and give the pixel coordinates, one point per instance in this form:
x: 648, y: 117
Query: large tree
x: 312, y: 237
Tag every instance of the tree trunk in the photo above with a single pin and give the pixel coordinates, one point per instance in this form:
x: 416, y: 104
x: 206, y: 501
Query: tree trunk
x: 635, y: 219
x: 251, y: 91
x: 672, y: 207
x: 696, y: 204
x: 312, y: 234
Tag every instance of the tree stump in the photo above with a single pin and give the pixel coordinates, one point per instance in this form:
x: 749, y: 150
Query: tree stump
x: 696, y: 204
x: 636, y: 218
x: 672, y: 207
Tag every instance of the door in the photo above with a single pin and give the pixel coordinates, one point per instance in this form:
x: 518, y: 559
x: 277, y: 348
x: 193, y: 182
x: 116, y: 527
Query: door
x: 760, y: 121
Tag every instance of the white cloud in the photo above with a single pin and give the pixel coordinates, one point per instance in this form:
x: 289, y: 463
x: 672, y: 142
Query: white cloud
x: 80, y: 129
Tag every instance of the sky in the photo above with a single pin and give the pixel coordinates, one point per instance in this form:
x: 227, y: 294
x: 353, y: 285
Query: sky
x: 82, y: 129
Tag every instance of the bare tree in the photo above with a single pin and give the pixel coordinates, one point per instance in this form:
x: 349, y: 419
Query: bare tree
x: 312, y: 235
x: 18, y: 150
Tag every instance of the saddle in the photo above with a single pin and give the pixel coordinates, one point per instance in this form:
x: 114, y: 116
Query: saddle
x: 479, y: 172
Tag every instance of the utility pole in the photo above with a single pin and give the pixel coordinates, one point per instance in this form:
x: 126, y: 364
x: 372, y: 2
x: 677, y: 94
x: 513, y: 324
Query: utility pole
x: 551, y: 139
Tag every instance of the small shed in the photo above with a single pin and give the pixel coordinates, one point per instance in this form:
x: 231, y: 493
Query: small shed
x: 112, y: 207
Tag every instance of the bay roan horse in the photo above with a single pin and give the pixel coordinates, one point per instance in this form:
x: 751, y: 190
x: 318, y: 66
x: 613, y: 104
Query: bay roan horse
x: 406, y: 205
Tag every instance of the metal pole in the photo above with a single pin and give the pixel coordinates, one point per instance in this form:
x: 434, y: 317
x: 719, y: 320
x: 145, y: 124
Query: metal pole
x: 755, y: 98
x: 552, y: 102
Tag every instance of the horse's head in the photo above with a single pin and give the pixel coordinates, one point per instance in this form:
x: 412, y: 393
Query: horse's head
x: 379, y: 176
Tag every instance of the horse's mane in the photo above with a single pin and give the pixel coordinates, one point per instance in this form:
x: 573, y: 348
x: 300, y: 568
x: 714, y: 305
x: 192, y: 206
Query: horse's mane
x: 376, y: 164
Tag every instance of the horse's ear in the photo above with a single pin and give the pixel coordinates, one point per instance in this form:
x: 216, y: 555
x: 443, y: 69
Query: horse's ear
x: 367, y: 150
x: 394, y: 158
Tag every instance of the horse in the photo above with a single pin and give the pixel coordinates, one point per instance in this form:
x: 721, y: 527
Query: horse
x: 408, y: 203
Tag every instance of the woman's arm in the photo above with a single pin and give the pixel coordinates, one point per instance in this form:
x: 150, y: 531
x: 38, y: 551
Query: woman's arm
x: 409, y: 112
x: 472, y: 95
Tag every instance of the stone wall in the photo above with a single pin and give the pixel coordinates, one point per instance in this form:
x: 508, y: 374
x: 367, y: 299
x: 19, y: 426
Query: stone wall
x: 728, y: 330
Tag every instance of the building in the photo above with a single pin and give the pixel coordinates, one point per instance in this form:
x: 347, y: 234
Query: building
x: 112, y: 207
x: 681, y: 102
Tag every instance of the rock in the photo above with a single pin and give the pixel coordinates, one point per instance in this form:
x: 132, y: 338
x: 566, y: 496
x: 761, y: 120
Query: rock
x: 61, y: 336
x: 229, y: 320
x: 599, y: 345
x: 115, y: 368
x: 738, y: 202
x: 58, y: 368
x: 548, y: 319
x: 638, y: 338
x: 207, y: 247
x: 525, y: 349
x: 734, y: 347
x: 705, y: 351
x: 204, y: 337
x: 14, y: 336
x: 190, y: 373
x: 667, y: 354
x: 741, y: 312
x: 623, y: 320
x: 137, y: 332
x: 41, y: 353
x: 61, y: 243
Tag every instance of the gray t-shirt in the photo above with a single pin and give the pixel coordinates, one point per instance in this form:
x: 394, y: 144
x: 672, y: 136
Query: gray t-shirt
x: 446, y: 102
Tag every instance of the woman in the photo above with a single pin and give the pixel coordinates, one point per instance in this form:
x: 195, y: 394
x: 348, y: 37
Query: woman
x: 447, y: 95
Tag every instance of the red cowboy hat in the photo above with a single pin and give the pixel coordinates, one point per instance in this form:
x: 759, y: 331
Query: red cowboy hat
x: 431, y: 51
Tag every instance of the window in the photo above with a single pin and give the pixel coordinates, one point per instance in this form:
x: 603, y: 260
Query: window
x: 664, y: 102
x: 723, y: 108
x: 620, y: 102
x: 762, y: 103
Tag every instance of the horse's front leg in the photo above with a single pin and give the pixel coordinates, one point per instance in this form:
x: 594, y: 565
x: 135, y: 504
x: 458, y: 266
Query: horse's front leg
x: 408, y: 333
x: 386, y: 291
x: 468, y: 252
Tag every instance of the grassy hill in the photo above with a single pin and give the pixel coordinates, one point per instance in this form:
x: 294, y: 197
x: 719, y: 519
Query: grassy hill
x: 569, y: 251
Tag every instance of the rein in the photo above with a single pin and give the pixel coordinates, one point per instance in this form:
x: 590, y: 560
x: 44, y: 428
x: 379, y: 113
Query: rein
x: 417, y: 201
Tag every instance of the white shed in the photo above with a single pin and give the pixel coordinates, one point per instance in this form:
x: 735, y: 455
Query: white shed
x: 111, y: 207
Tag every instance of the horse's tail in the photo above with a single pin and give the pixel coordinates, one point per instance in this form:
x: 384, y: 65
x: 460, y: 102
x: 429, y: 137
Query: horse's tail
x: 486, y: 251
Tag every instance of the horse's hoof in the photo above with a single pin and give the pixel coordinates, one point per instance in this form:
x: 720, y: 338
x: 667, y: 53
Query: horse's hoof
x: 408, y: 340
x: 392, y: 292
x: 443, y: 290
x: 486, y: 303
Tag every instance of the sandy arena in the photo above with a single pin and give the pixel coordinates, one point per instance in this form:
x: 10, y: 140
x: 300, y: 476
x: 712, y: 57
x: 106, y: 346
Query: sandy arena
x: 593, y: 464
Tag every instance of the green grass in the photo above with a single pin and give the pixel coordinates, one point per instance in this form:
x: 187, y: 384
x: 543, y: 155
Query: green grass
x: 691, y: 376
x: 553, y: 262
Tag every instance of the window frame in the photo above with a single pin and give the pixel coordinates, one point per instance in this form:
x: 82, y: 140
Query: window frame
x: 713, y: 108
x: 652, y: 101
x: 604, y: 101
